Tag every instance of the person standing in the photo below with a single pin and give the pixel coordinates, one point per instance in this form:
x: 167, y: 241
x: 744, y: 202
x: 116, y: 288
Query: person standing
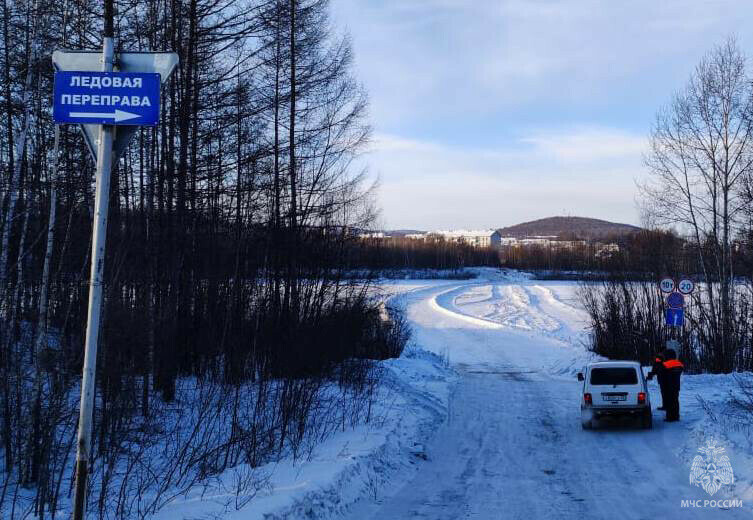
x: 658, y: 370
x: 671, y: 370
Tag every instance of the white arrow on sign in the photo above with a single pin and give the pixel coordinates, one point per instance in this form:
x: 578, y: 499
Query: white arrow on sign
x: 162, y: 62
x: 119, y: 115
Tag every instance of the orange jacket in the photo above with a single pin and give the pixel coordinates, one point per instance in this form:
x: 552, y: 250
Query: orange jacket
x: 672, y: 369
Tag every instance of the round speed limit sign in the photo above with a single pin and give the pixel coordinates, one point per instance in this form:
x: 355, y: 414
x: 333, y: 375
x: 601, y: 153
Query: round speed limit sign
x: 667, y: 285
x: 685, y: 286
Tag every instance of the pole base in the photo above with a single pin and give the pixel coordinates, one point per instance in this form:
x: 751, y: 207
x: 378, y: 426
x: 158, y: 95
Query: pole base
x: 79, y: 506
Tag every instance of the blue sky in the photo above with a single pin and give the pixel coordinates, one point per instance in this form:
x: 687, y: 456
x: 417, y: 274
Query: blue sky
x: 488, y: 113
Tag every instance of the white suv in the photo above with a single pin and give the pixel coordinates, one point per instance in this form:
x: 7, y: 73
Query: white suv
x: 614, y: 388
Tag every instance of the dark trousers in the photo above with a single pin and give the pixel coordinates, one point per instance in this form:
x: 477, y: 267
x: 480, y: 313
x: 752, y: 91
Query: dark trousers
x: 672, y: 405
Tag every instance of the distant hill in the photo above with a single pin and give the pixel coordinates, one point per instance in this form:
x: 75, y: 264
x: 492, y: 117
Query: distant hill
x: 585, y: 228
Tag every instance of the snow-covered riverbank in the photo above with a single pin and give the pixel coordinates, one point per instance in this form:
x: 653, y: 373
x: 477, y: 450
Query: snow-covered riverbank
x: 479, y: 419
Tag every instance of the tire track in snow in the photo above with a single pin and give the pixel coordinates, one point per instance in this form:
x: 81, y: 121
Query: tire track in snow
x: 559, y: 306
x: 572, y: 321
x: 545, y: 323
x: 512, y: 446
x: 507, y: 305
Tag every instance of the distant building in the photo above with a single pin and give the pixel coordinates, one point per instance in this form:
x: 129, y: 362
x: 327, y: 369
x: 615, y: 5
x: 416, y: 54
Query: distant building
x: 374, y: 234
x: 607, y: 250
x: 484, y: 238
x: 552, y: 242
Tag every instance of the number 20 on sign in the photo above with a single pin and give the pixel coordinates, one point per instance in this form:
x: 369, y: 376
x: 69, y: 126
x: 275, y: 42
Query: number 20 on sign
x: 685, y: 286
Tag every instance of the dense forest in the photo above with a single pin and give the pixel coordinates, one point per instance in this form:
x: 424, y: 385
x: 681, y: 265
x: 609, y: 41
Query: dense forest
x: 380, y: 255
x: 229, y: 333
x: 640, y: 254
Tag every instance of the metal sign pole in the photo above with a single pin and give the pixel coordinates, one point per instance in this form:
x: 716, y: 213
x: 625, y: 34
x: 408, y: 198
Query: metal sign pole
x: 99, y: 232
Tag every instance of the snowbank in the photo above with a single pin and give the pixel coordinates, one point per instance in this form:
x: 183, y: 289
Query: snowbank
x: 349, y: 465
x: 499, y: 319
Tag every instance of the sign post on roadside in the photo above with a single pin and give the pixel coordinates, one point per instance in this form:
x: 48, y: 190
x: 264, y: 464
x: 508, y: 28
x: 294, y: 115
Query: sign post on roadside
x: 106, y: 98
x: 95, y: 90
x: 674, y: 313
x: 162, y: 63
x: 99, y: 237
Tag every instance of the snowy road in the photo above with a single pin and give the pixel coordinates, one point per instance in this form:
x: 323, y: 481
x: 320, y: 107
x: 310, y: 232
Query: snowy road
x: 512, y: 446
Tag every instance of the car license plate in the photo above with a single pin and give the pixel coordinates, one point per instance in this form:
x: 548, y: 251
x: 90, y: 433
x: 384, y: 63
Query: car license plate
x: 614, y: 398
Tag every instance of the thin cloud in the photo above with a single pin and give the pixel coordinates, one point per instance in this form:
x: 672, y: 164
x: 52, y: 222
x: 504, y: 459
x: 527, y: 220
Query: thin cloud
x: 488, y: 111
x: 591, y: 145
x: 431, y: 185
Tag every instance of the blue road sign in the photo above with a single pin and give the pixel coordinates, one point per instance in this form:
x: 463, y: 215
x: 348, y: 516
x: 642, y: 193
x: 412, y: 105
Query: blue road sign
x: 675, y: 317
x: 676, y: 300
x: 109, y: 98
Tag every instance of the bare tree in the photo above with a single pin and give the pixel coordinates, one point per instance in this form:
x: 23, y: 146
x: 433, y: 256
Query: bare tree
x: 699, y: 159
x: 230, y: 224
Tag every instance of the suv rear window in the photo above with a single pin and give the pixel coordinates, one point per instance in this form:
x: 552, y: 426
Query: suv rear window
x: 614, y: 376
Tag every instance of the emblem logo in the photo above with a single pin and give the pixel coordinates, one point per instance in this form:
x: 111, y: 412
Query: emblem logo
x: 712, y: 470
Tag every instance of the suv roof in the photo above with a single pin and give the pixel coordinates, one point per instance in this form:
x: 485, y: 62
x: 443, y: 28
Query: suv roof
x: 606, y: 364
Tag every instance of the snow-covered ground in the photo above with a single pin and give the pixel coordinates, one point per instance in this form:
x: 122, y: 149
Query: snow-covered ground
x: 513, y: 447
x: 480, y: 419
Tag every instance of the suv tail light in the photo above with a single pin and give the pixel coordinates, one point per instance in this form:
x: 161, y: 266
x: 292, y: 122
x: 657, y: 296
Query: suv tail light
x: 641, y: 397
x: 587, y: 398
